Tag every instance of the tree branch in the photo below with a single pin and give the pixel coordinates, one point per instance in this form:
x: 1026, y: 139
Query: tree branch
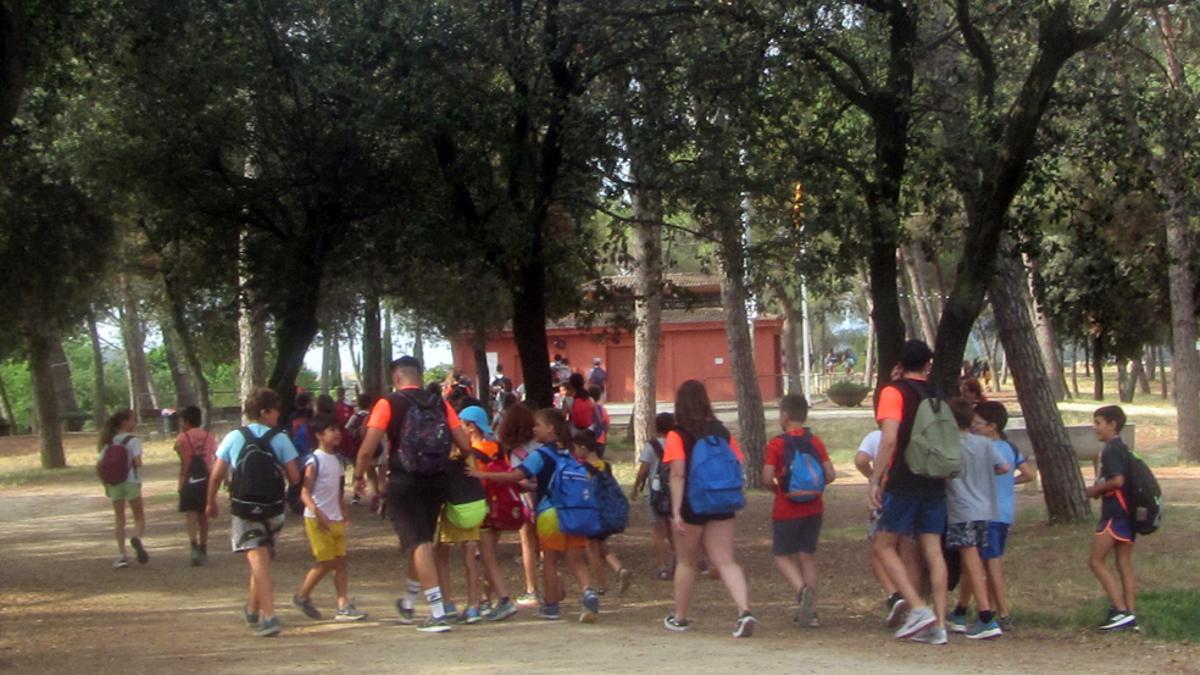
x: 979, y: 48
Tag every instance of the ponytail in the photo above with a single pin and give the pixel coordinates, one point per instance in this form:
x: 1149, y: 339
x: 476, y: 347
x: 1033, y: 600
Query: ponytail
x: 108, y: 430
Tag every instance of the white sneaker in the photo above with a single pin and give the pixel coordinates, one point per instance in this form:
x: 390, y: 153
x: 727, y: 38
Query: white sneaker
x: 918, y: 620
x: 120, y: 563
x: 933, y: 635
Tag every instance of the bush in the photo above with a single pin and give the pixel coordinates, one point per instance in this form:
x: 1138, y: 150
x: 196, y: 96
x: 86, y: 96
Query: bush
x: 847, y: 393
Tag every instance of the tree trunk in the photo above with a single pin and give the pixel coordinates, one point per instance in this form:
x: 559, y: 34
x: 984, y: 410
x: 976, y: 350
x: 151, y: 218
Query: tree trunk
x: 483, y: 377
x: 294, y: 334
x: 791, y: 354
x: 911, y: 324
x: 386, y: 357
x: 356, y: 364
x: 647, y: 309
x: 529, y: 330
x: 1047, y: 341
x: 1061, y: 479
x: 185, y: 392
x: 1075, y: 368
x: 252, y: 334
x: 418, y: 350
x: 187, y: 346
x: 1139, y: 376
x: 372, y: 348
x: 1152, y: 363
x: 64, y: 387
x: 99, y: 405
x: 141, y: 393
x: 8, y: 409
x: 45, y: 398
x: 734, y: 294
x: 327, y: 352
x: 1098, y: 367
x: 918, y: 293
x: 1163, y: 380
x: 1124, y: 382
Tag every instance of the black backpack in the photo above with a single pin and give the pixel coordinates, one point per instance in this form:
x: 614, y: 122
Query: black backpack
x: 660, y: 496
x: 1145, y: 496
x: 257, y: 487
x: 422, y: 443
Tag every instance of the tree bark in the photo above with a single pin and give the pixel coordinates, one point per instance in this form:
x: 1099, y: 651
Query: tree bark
x: 418, y: 350
x: 1152, y: 363
x: 356, y: 364
x: 911, y: 325
x: 1075, y: 368
x: 529, y: 332
x: 791, y: 354
x: 1139, y: 376
x: 647, y: 310
x: 1125, y: 383
x: 294, y: 334
x: 252, y: 335
x: 385, y: 358
x: 8, y: 409
x: 64, y: 387
x: 1098, y: 367
x: 1047, y: 341
x: 181, y: 329
x: 483, y: 377
x: 1061, y: 478
x: 372, y: 348
x: 734, y: 294
x: 45, y: 398
x: 133, y: 336
x: 918, y: 293
x: 12, y: 78
x: 327, y: 349
x: 1163, y: 380
x: 185, y: 392
x: 99, y: 405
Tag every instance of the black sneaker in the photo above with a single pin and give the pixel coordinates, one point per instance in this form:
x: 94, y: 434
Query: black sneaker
x: 744, y: 626
x: 897, y: 611
x: 1119, y: 621
x: 671, y: 623
x: 306, y: 605
x: 142, y: 556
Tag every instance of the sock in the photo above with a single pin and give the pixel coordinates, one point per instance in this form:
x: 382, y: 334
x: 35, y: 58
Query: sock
x: 895, y: 597
x: 504, y: 600
x: 410, y: 596
x: 433, y: 596
x: 986, y: 617
x: 959, y: 610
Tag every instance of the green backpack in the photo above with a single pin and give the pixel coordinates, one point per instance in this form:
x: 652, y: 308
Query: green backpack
x: 935, y: 446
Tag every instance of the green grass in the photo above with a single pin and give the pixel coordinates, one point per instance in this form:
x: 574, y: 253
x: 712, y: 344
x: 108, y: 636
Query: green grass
x: 1172, y: 615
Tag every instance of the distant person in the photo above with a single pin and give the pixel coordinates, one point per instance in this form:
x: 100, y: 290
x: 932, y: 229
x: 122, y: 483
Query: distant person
x: 259, y: 457
x: 597, y: 377
x: 655, y: 478
x: 501, y: 384
x: 797, y: 467
x: 600, y: 418
x: 704, y: 504
x: 120, y: 460
x: 298, y: 424
x: 971, y: 506
x: 578, y: 405
x: 1115, y: 531
x: 344, y: 410
x: 196, y: 449
x: 325, y: 521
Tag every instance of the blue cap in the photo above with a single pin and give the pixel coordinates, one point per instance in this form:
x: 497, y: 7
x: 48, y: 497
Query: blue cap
x: 477, y: 416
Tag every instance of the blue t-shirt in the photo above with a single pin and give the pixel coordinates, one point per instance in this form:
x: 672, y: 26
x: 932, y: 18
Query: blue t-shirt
x: 1006, y: 483
x: 231, y: 446
x: 537, y: 465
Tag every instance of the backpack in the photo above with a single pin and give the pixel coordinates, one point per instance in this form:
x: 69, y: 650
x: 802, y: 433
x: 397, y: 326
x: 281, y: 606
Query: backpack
x: 598, y: 426
x: 114, y: 463
x: 935, y: 444
x: 802, y: 470
x: 506, y: 510
x: 582, y: 412
x: 660, y: 484
x: 714, y: 479
x: 614, y: 505
x: 423, y: 444
x: 299, y: 434
x: 1145, y: 496
x: 575, y: 495
x: 257, y: 486
x: 197, y: 468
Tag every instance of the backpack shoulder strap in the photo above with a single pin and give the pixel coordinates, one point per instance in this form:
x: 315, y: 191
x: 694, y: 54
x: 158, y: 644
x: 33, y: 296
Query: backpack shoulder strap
x: 247, y: 435
x: 658, y: 448
x: 481, y: 456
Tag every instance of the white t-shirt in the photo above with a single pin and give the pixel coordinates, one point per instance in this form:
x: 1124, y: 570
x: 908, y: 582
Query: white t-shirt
x: 870, y: 444
x: 327, y: 488
x: 134, y: 445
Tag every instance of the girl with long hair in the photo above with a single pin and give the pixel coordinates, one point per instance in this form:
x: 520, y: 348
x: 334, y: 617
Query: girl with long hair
x: 515, y: 433
x: 118, y: 431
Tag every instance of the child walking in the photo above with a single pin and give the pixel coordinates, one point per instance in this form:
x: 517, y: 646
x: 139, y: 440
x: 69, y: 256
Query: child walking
x: 654, y: 477
x: 325, y: 520
x: 196, y: 449
x: 796, y: 517
x: 486, y: 449
x: 587, y: 449
x: 1115, y: 531
x: 971, y: 504
x: 116, y: 436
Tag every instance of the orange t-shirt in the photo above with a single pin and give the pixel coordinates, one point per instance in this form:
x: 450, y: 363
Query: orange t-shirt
x: 381, y: 414
x: 488, y: 448
x: 673, y: 451
x: 891, y: 403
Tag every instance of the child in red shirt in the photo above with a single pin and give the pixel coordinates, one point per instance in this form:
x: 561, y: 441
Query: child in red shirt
x: 796, y: 517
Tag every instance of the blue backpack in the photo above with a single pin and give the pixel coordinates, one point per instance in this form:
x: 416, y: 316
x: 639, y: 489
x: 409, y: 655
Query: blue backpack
x: 575, y: 494
x: 614, y: 506
x: 802, y: 469
x: 714, y: 480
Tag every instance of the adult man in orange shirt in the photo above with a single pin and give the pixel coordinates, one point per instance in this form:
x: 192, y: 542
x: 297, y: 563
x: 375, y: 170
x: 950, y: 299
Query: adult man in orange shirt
x: 414, y: 499
x: 911, y: 505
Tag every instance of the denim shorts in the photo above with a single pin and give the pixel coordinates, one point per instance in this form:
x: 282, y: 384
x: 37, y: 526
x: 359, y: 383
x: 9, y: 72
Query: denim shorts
x: 913, y: 516
x: 997, y: 541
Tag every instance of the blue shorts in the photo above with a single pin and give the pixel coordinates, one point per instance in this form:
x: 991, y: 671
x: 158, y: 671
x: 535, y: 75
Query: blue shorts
x: 1120, y: 529
x: 913, y: 516
x: 997, y: 539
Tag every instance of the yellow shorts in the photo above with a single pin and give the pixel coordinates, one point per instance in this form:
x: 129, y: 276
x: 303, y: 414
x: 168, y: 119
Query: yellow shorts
x: 326, y: 544
x: 449, y: 533
x: 550, y: 538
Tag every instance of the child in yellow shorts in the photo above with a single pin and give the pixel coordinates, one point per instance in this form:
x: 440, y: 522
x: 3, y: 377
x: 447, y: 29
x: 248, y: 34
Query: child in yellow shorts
x: 448, y: 535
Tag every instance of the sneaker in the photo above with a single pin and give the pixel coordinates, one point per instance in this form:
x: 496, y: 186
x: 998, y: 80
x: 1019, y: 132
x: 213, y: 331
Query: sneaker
x: 624, y: 578
x: 305, y: 605
x: 406, y: 613
x: 203, y: 555
x: 744, y: 626
x: 591, y: 607
x: 472, y: 616
x: 120, y: 563
x: 1118, y: 621
x: 142, y: 556
x: 805, y: 612
x: 956, y: 623
x: 435, y: 625
x: 548, y: 612
x: 349, y: 613
x: 501, y: 612
x: 1006, y: 623
x: 451, y: 611
x: 815, y: 623
x: 931, y: 635
x: 195, y: 556
x: 528, y: 600
x: 671, y: 623
x: 268, y: 628
x: 250, y: 617
x: 356, y: 500
x: 983, y: 631
x: 485, y: 607
x: 918, y: 620
x: 897, y: 611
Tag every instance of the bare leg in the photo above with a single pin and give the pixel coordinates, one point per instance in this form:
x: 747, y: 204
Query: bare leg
x: 790, y: 569
x: 139, y: 516
x: 529, y: 557
x: 341, y: 582
x: 718, y: 542
x: 931, y: 546
x: 996, y: 586
x: 661, y: 539
x: 595, y: 559
x: 885, y: 548
x: 119, y: 524
x: 881, y: 574
x: 1128, y: 577
x: 469, y: 549
x: 552, y: 592
x: 611, y: 558
x: 687, y: 566
x: 202, y: 521
x: 910, y: 554
x: 315, y: 574
x: 808, y: 569
x: 579, y: 567
x: 441, y: 559
x: 975, y: 578
x: 260, y: 574
x: 193, y: 527
x: 1102, y: 543
x: 489, y: 543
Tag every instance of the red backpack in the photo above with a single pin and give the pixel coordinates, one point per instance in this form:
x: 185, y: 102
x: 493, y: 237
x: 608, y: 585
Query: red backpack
x: 506, y: 510
x: 114, y: 463
x: 582, y: 411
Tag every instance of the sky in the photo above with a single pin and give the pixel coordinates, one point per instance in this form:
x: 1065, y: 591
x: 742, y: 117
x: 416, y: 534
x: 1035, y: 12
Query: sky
x: 436, y: 353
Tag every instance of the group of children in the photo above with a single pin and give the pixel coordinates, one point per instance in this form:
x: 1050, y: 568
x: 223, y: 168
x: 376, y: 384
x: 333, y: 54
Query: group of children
x: 527, y: 457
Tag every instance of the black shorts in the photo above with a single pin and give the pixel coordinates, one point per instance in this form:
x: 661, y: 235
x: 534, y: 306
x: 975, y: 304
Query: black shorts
x: 798, y: 535
x: 194, y: 496
x: 414, y: 503
x: 692, y: 518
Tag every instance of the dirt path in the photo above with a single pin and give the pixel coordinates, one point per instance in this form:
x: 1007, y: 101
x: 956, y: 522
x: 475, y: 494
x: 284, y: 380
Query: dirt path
x: 64, y: 609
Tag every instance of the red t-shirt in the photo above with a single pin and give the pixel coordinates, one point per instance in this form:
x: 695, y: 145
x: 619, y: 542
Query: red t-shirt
x: 786, y: 509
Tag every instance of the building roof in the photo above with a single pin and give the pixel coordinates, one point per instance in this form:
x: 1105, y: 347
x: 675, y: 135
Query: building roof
x: 680, y: 280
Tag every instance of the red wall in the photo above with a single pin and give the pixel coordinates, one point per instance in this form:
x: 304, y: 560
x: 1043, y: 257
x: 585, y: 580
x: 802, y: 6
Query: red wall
x: 688, y: 351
